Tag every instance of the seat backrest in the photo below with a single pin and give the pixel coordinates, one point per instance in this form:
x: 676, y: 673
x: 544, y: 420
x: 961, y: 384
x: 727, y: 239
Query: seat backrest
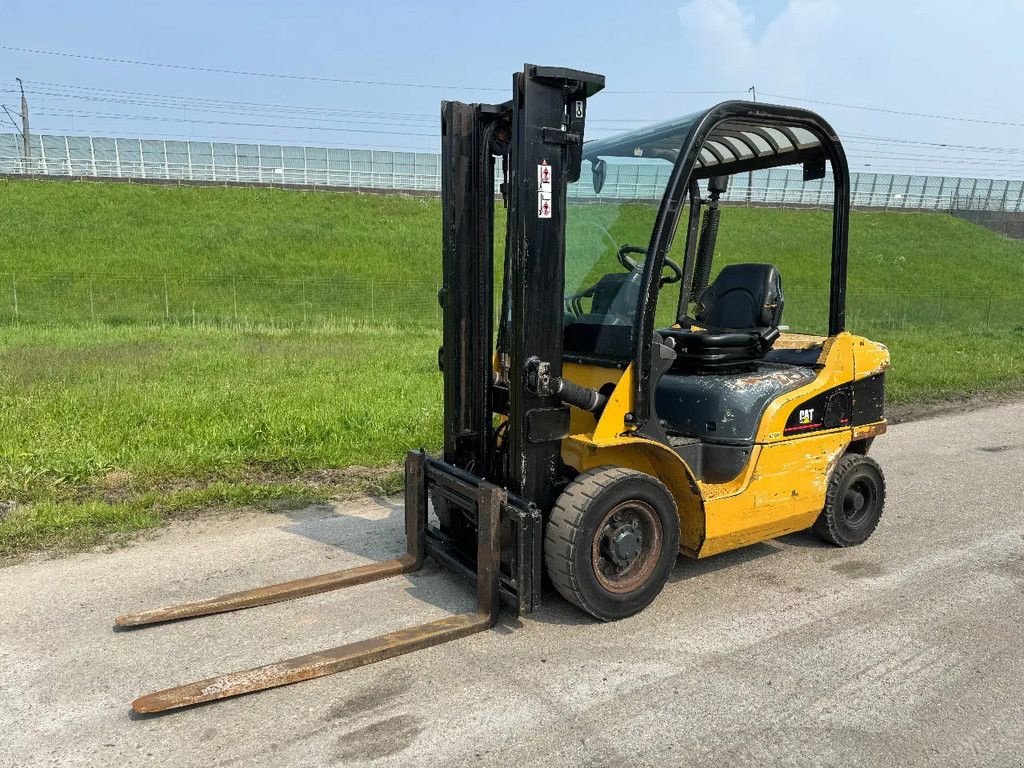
x: 743, y: 296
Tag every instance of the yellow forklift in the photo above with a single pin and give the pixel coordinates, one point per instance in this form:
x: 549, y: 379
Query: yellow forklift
x: 591, y: 432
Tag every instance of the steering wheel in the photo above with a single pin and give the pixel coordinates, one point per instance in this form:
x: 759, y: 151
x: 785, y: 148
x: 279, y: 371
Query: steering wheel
x: 632, y: 266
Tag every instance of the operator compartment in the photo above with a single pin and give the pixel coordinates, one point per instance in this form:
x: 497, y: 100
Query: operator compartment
x: 726, y: 372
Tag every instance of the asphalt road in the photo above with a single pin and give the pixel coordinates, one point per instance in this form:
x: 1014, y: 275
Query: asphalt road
x: 906, y: 651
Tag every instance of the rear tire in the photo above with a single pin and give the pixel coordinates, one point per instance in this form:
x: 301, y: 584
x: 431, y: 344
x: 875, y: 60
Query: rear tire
x: 611, y: 541
x: 853, y: 502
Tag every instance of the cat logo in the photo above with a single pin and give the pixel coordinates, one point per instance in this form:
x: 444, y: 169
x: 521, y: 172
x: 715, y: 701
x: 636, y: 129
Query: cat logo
x: 806, y: 415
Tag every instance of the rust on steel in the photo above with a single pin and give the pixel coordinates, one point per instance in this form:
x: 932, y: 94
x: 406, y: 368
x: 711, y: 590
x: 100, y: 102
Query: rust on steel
x: 488, y: 553
x: 415, y: 523
x: 314, y: 665
x: 274, y: 593
x: 490, y: 502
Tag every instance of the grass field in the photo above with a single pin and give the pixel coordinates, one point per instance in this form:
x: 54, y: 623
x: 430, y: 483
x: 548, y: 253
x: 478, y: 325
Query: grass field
x: 140, y: 378
x: 82, y: 253
x: 108, y: 427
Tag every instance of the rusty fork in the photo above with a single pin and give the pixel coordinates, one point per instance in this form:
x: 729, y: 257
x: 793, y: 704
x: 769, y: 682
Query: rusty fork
x: 490, y: 500
x: 415, y: 528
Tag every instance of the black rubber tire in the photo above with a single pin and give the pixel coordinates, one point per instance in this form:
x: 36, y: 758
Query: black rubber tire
x: 835, y: 523
x: 573, y: 525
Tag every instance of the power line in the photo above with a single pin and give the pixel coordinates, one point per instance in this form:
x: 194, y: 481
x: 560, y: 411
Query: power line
x: 353, y: 118
x: 192, y: 102
x: 904, y: 152
x: 157, y: 100
x: 395, y: 84
x: 943, y: 164
x: 944, y: 144
x: 11, y: 118
x: 320, y: 78
x: 925, y: 159
x: 860, y: 144
x: 660, y: 91
x: 898, y: 111
x: 246, y: 73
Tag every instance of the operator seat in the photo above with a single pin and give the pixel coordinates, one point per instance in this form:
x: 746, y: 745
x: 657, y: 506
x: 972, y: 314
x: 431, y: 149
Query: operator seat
x: 738, y: 319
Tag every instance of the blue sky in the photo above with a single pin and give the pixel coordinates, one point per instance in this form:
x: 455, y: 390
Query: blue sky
x: 943, y: 58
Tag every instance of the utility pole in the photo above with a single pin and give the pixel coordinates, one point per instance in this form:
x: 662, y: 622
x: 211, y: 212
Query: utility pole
x: 26, y: 145
x: 752, y: 90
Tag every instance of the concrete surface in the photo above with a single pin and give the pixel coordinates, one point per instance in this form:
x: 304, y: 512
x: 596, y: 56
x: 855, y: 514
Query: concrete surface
x: 907, y: 651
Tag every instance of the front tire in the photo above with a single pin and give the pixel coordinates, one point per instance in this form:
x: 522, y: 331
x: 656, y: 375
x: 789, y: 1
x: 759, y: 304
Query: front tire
x: 853, y: 502
x: 611, y: 541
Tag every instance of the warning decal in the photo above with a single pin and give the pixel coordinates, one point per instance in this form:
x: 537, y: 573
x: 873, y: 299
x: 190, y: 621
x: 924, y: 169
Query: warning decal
x: 543, y: 205
x: 544, y: 177
x: 544, y: 190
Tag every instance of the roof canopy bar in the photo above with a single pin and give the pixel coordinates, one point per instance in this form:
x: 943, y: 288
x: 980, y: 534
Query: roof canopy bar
x: 735, y: 146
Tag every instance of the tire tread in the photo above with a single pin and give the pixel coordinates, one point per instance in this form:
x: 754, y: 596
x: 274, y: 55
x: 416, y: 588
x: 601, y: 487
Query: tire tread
x: 825, y: 526
x: 562, y: 535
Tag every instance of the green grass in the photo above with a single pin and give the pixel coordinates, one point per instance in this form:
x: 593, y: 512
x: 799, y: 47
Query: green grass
x: 264, y: 357
x: 195, y: 231
x: 149, y: 407
x: 116, y: 254
x: 68, y: 525
x: 82, y: 253
x: 101, y: 427
x: 173, y: 401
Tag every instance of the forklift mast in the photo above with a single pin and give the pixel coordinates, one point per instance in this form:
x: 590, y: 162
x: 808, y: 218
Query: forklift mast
x: 539, y: 136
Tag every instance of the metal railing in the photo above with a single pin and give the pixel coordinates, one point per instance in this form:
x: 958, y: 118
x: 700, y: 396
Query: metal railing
x: 216, y: 162
x: 389, y: 179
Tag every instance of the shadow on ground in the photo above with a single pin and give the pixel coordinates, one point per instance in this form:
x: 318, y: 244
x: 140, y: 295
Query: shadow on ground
x: 379, y: 534
x: 374, y: 530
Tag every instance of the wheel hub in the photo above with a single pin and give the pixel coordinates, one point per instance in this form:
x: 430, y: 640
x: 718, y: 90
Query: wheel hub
x: 858, y: 501
x: 625, y: 544
x: 854, y: 500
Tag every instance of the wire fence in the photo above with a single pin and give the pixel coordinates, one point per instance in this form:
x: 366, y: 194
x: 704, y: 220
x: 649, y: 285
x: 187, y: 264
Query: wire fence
x: 205, y: 162
x: 247, y: 301
x: 1007, y: 223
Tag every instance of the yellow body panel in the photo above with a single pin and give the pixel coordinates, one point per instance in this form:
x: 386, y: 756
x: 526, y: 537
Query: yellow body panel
x: 784, y: 493
x: 847, y: 358
x: 782, y: 488
x: 653, y: 458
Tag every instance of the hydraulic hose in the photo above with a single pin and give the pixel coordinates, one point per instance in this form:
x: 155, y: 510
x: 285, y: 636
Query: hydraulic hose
x: 539, y: 381
x: 584, y: 398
